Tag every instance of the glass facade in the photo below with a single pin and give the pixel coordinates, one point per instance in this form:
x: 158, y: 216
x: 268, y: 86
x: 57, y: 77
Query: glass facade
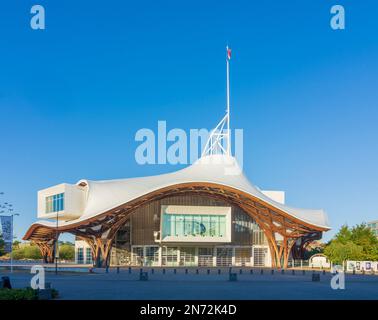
x: 55, y: 203
x: 205, y: 257
x: 88, y: 256
x: 80, y: 256
x: 138, y: 256
x: 169, y: 256
x: 188, y: 256
x: 224, y: 257
x: 238, y: 239
x: 151, y: 256
x: 195, y: 225
x: 243, y: 256
x: 374, y: 227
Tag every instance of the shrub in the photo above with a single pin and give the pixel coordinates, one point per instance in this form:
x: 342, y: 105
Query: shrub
x: 18, y: 294
x: 23, y: 294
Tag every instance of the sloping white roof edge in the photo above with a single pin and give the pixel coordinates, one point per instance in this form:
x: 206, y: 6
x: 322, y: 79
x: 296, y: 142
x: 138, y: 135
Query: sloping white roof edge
x: 222, y: 170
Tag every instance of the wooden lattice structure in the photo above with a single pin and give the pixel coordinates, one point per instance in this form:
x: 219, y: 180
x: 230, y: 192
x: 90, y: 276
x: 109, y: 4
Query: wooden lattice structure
x: 99, y: 231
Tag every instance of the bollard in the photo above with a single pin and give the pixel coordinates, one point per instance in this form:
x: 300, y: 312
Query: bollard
x: 208, y: 271
x: 219, y: 271
x: 262, y: 271
x: 197, y: 271
x: 251, y: 271
x: 143, y: 276
x: 129, y: 269
x: 240, y: 271
x: 174, y: 271
x: 152, y: 271
x: 233, y: 277
x: 6, y: 283
x: 163, y: 270
x: 293, y: 272
x: 186, y: 271
x: 117, y: 269
x: 315, y: 277
x: 272, y: 271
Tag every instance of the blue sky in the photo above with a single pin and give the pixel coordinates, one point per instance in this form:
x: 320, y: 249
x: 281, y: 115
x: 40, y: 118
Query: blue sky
x: 73, y: 95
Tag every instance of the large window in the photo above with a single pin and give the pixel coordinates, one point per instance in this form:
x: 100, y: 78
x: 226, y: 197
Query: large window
x: 80, y: 255
x: 152, y: 256
x: 137, y: 256
x: 88, y: 256
x: 224, y: 257
x: 55, y: 203
x: 195, y: 225
x: 169, y: 256
x: 187, y: 256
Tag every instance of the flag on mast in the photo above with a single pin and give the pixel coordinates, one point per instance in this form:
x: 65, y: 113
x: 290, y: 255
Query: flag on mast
x: 228, y: 53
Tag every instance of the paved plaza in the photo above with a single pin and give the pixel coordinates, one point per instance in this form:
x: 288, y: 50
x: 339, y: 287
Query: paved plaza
x: 187, y: 286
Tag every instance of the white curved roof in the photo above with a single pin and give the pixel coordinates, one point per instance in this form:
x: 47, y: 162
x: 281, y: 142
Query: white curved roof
x: 218, y: 169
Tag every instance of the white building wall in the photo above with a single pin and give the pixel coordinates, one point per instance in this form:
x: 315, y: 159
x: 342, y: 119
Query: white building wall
x: 74, y: 201
x: 86, y: 250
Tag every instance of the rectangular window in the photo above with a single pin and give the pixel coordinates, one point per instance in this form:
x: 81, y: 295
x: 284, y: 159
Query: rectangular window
x: 88, y: 256
x: 259, y: 256
x: 243, y: 256
x: 169, y: 256
x: 152, y: 256
x: 55, y: 203
x: 195, y: 225
x: 80, y: 255
x: 224, y: 257
x: 205, y: 257
x: 137, y: 256
x: 187, y: 256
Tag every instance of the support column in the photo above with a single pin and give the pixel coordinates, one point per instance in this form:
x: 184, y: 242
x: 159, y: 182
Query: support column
x: 47, y: 249
x: 101, y: 249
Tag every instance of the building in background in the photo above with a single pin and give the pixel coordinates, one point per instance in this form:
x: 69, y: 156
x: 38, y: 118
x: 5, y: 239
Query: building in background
x: 373, y: 225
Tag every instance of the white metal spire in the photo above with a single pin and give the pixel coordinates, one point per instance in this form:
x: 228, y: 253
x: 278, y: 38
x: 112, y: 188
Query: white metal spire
x: 219, y: 141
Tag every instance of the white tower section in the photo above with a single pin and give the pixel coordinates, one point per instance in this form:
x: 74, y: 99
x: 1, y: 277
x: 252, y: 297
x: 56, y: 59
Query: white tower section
x: 219, y: 141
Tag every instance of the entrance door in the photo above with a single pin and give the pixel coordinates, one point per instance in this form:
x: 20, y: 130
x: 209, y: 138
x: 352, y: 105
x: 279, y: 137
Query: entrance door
x: 224, y: 257
x: 243, y: 256
x: 259, y: 255
x: 187, y: 256
x: 205, y: 257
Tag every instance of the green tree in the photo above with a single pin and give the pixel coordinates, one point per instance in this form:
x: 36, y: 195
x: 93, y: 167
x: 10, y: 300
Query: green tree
x: 16, y: 244
x: 2, y: 246
x: 357, y: 243
x: 338, y: 252
x: 67, y: 252
x: 344, y: 235
x: 27, y: 252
